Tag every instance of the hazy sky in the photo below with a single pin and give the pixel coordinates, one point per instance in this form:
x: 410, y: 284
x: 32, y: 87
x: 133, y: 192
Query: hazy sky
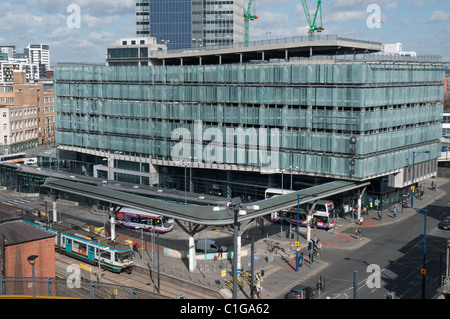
x: 420, y: 25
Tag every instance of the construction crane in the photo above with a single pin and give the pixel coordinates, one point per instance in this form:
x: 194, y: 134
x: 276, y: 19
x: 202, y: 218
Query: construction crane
x: 249, y: 15
x: 313, y: 25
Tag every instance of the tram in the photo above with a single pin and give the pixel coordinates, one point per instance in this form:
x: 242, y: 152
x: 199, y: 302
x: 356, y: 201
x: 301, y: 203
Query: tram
x: 115, y: 256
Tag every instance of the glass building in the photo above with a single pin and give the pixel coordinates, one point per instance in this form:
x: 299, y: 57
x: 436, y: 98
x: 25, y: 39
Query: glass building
x: 190, y: 23
x: 237, y: 129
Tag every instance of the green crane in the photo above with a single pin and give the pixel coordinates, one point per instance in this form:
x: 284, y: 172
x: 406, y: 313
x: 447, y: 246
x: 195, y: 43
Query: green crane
x: 313, y: 26
x: 249, y: 14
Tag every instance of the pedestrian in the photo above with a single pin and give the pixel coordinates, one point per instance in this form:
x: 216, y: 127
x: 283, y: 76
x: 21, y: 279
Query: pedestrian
x: 433, y: 185
x: 136, y: 248
x: 380, y: 214
x: 358, y: 231
x: 272, y: 246
x: 220, y: 252
x: 395, y: 211
x: 421, y: 193
x: 300, y: 260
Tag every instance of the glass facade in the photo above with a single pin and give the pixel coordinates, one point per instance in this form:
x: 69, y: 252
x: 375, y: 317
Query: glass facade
x: 340, y: 120
x: 190, y: 23
x: 171, y: 20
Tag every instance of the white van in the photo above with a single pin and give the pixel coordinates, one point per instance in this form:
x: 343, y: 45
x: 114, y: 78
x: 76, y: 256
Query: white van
x: 209, y: 246
x: 30, y: 161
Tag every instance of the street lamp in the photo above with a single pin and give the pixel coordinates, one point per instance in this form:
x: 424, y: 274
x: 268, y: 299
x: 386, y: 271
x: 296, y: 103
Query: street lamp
x: 412, y: 181
x: 298, y: 225
x: 237, y: 211
x: 32, y: 260
x: 423, y: 270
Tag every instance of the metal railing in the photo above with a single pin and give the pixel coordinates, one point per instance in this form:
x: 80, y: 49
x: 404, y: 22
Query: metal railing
x: 268, y: 42
x: 60, y: 287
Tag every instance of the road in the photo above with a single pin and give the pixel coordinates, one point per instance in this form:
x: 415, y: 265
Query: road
x: 397, y: 250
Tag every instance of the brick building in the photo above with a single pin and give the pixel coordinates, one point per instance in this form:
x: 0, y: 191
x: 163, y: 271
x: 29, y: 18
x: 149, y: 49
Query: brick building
x: 18, y: 241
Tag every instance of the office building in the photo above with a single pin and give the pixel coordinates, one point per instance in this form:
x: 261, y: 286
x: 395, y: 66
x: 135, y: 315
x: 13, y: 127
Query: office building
x: 241, y: 126
x: 190, y: 23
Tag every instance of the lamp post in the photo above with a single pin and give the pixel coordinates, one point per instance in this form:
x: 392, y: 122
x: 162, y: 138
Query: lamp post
x: 32, y: 260
x: 423, y: 271
x: 298, y: 225
x: 235, y: 206
x: 412, y: 181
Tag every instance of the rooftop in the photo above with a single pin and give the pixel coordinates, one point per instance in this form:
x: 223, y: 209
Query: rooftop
x: 284, y: 48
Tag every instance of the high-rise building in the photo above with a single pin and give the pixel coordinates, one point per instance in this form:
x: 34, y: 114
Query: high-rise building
x: 190, y: 23
x: 40, y: 54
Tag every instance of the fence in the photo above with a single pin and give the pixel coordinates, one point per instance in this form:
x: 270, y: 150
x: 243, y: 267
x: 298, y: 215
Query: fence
x: 64, y: 287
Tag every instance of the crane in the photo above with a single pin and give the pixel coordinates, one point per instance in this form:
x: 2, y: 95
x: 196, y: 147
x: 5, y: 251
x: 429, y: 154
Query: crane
x: 249, y: 14
x: 313, y: 26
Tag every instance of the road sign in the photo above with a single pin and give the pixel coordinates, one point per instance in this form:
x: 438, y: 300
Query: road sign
x: 423, y: 271
x: 297, y: 243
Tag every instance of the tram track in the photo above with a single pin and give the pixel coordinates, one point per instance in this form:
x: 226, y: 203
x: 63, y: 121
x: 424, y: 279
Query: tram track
x: 168, y: 288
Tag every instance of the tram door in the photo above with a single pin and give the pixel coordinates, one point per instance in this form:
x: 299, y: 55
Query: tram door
x: 90, y: 252
x: 69, y: 245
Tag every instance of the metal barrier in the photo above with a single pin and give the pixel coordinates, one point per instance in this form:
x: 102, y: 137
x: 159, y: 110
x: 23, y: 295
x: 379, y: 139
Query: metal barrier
x: 61, y: 287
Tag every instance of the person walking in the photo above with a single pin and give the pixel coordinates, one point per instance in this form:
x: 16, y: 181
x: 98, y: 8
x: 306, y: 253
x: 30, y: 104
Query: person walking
x: 433, y: 186
x: 395, y: 211
x: 359, y: 231
x: 380, y: 215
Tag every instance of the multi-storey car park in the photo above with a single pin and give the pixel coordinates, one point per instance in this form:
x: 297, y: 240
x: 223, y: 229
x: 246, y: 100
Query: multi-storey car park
x: 233, y: 121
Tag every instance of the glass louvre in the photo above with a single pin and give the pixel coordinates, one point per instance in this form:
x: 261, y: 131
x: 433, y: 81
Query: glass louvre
x: 316, y: 108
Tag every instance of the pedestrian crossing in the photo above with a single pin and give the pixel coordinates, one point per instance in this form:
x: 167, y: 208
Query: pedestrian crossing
x: 16, y: 202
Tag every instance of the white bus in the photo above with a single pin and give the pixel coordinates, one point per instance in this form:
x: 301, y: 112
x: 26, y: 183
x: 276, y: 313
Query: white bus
x: 135, y: 219
x: 323, y: 215
x: 13, y: 158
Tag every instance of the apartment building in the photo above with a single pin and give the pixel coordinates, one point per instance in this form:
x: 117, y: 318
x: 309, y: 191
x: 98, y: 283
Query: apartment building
x: 19, y: 128
x: 21, y: 93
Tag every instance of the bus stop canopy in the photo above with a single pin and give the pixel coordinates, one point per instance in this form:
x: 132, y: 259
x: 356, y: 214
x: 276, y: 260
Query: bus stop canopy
x: 197, y: 214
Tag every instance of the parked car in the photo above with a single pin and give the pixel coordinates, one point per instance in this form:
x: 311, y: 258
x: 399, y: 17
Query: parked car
x: 445, y: 224
x: 300, y: 292
x: 209, y: 246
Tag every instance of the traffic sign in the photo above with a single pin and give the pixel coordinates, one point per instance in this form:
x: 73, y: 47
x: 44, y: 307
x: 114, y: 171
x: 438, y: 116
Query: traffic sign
x: 423, y: 271
x: 297, y: 243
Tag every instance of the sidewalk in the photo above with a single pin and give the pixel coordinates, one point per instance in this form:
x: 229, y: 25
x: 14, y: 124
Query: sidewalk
x: 279, y: 271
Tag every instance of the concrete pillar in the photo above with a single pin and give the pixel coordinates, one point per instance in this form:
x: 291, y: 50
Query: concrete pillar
x: 113, y: 225
x: 55, y: 212
x: 192, y: 255
x: 359, y: 208
x: 308, y: 227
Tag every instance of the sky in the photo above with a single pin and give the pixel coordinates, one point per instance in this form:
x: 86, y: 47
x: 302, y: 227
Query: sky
x: 420, y: 25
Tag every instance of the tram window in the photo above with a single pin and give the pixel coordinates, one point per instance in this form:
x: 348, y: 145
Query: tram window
x: 105, y: 255
x: 123, y: 257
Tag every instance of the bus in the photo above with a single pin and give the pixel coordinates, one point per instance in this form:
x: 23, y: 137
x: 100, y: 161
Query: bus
x: 13, y: 158
x: 135, y: 219
x: 323, y: 215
